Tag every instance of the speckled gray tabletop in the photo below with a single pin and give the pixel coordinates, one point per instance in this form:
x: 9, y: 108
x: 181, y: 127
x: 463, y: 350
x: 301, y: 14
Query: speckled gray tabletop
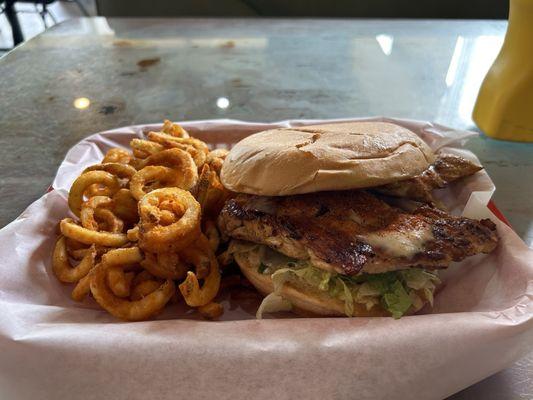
x: 140, y: 71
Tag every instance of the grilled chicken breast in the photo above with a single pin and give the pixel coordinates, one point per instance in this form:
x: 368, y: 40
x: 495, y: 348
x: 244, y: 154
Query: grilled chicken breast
x: 447, y: 168
x: 350, y: 232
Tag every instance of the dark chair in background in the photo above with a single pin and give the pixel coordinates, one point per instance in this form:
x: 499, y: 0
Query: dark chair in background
x: 468, y: 9
x: 8, y: 8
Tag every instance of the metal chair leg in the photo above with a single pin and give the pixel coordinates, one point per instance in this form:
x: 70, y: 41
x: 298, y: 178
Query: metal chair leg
x: 11, y: 15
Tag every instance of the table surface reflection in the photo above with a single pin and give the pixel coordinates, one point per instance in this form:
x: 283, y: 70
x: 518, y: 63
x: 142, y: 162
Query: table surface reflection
x: 92, y: 74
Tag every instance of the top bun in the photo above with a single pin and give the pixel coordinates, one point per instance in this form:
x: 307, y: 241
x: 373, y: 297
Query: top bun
x: 339, y: 156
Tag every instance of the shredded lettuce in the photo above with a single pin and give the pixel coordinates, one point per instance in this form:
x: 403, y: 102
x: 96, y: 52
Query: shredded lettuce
x: 396, y: 300
x: 279, y: 278
x: 273, y: 303
x: 348, y: 300
x: 395, y: 291
x: 418, y: 278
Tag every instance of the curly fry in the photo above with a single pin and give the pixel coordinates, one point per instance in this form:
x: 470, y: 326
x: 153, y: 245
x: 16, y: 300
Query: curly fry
x: 161, y: 175
x: 78, y: 254
x: 125, y: 206
x: 74, y: 244
x: 96, y: 190
x: 211, y: 310
x: 147, y: 147
x: 143, y: 276
x: 174, y: 129
x: 125, y: 257
x: 190, y: 289
x: 70, y: 229
x: 120, y: 170
x: 133, y: 234
x: 83, y: 287
x: 119, y: 281
x: 143, y: 289
x: 210, y: 193
x: 176, y: 159
x: 216, y: 158
x: 157, y: 238
x: 121, y: 308
x: 88, y: 208
x: 196, y: 148
x: 217, y: 153
x: 164, y: 265
x: 111, y: 222
x: 117, y: 155
x: 75, y: 198
x: 62, y: 268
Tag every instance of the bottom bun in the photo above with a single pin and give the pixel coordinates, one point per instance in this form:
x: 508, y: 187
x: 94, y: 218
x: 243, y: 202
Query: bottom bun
x: 304, y: 300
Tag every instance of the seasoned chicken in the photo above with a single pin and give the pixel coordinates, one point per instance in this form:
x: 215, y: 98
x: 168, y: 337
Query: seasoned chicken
x: 446, y: 169
x: 353, y: 231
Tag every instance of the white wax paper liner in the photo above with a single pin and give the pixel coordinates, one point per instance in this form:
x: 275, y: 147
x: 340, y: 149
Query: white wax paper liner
x: 52, y: 347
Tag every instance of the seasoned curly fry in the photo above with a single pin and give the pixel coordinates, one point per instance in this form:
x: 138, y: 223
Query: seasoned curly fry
x: 176, y: 159
x: 143, y: 289
x: 117, y: 155
x: 162, y: 176
x: 164, y: 265
x: 183, y: 173
x: 62, y: 268
x: 133, y: 234
x: 128, y: 256
x: 111, y: 222
x: 216, y: 158
x: 70, y: 229
x: 147, y: 147
x: 124, y: 171
x: 80, y: 253
x: 77, y: 254
x: 88, y: 208
x: 196, y: 148
x: 158, y: 238
x: 121, y: 308
x: 119, y: 281
x: 143, y: 276
x: 211, y: 310
x: 209, y: 192
x: 74, y: 244
x: 190, y: 289
x: 83, y: 287
x: 95, y: 190
x: 125, y: 206
x: 75, y: 198
x: 174, y: 129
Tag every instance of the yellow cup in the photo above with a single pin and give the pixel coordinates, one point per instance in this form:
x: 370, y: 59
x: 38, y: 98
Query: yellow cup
x: 504, y: 107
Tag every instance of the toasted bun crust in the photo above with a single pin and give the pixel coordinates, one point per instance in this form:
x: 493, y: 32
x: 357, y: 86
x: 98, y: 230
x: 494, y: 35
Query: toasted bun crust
x: 304, y: 301
x: 339, y: 156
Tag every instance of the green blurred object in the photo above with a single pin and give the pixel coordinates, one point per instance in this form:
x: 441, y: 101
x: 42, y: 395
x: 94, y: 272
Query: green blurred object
x: 471, y: 9
x: 504, y: 107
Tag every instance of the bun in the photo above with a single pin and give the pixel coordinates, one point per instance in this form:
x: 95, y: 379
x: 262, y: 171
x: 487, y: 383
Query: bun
x: 304, y: 301
x: 339, y: 156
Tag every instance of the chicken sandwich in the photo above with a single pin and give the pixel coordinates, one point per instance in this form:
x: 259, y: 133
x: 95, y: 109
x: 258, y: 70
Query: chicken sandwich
x: 340, y: 219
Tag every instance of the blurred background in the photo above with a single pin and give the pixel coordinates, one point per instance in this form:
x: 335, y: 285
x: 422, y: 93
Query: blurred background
x: 21, y: 20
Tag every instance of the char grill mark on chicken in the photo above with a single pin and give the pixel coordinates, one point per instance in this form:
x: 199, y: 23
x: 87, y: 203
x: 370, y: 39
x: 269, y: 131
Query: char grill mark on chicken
x: 353, y: 231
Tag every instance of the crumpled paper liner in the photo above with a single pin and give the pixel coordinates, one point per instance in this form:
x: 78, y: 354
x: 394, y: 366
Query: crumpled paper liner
x: 52, y: 347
